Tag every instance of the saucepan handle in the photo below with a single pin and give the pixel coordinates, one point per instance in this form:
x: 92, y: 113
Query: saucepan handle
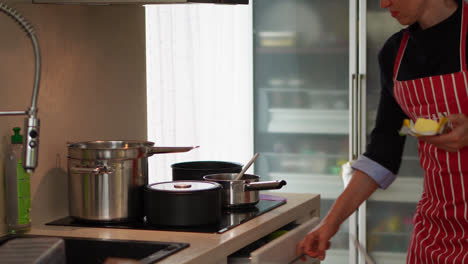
x: 163, y: 150
x: 266, y: 185
x: 96, y: 170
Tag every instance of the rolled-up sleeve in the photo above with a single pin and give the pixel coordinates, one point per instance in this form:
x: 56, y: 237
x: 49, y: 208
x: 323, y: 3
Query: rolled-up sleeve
x: 380, y: 174
x: 382, y: 157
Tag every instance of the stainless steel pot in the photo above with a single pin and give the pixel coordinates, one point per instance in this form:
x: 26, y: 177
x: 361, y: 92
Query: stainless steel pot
x: 243, y: 192
x: 106, y: 178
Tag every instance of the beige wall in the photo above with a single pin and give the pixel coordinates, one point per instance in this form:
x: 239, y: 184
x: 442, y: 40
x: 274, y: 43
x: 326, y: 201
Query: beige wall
x: 93, y: 86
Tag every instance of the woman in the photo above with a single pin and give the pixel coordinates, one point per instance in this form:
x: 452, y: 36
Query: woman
x: 423, y: 75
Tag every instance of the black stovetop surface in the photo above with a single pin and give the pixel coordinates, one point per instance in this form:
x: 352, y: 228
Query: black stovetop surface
x: 230, y: 219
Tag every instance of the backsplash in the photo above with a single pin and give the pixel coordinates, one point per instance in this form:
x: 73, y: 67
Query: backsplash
x: 93, y: 86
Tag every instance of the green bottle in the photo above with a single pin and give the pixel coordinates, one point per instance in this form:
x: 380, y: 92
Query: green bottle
x: 17, y: 188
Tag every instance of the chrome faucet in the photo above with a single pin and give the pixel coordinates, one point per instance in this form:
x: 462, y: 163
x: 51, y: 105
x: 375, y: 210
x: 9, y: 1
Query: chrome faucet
x: 31, y: 122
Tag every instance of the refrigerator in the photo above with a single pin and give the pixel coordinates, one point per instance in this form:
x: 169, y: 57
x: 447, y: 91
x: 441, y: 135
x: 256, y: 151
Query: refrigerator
x: 316, y: 91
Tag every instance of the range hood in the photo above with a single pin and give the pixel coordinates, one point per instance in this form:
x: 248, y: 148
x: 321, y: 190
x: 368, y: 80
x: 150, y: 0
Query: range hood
x: 143, y: 2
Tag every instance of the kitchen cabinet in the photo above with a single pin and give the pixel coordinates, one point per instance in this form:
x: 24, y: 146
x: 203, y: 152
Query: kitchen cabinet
x: 316, y: 85
x: 279, y: 250
x: 204, y: 247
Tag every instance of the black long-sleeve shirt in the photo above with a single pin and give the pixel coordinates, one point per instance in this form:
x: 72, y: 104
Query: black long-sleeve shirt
x: 429, y: 52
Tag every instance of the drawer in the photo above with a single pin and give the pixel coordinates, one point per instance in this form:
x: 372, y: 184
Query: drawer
x: 282, y: 249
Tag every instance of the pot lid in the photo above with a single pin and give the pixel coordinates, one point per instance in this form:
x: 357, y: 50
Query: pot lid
x: 184, y: 186
x: 111, y: 144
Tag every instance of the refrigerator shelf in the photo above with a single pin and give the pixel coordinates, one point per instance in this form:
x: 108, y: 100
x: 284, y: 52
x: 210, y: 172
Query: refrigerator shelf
x: 312, y: 121
x: 404, y: 189
x: 395, y: 242
x: 285, y: 94
x: 342, y: 256
x: 311, y: 91
x: 392, y: 233
x: 389, y: 257
x: 316, y: 50
x: 328, y: 186
x: 336, y: 256
x: 304, y: 160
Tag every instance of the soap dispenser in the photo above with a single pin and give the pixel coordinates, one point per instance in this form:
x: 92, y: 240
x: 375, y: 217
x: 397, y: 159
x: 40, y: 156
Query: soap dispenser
x: 17, y: 187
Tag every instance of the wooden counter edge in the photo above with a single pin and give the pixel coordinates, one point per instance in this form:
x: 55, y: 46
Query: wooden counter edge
x: 205, y: 248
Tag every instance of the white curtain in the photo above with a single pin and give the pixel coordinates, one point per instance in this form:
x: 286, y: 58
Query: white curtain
x: 200, y: 83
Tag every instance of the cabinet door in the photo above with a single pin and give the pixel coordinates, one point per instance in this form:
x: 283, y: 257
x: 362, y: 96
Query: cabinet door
x: 389, y: 212
x: 301, y: 84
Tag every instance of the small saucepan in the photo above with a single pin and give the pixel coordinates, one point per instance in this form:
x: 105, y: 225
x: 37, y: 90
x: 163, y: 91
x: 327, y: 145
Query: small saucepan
x: 243, y: 192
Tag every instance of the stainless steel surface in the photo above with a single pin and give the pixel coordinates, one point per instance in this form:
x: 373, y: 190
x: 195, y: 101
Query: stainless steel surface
x: 96, y: 170
x: 39, y: 250
x: 118, y: 149
x: 235, y: 191
x: 353, y: 119
x: 265, y: 185
x: 106, y: 178
x: 31, y: 143
x: 106, y: 197
x: 360, y: 111
x: 163, y: 150
x: 11, y: 113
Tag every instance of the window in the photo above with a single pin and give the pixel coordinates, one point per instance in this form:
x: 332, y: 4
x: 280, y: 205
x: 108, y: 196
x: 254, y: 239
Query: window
x: 199, y: 83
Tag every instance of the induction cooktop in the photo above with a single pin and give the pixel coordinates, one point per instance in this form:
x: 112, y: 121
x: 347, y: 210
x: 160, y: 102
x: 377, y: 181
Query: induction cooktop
x: 230, y: 218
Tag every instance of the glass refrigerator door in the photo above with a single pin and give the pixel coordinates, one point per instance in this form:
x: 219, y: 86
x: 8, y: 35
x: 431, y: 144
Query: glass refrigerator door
x: 389, y: 212
x: 301, y: 80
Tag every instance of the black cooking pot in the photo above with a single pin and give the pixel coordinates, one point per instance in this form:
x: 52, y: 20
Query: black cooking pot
x: 195, y: 170
x: 183, y: 203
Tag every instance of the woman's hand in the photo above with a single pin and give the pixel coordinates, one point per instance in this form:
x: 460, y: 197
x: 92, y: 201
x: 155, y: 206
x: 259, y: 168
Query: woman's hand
x: 317, y: 241
x: 453, y: 140
x: 359, y: 188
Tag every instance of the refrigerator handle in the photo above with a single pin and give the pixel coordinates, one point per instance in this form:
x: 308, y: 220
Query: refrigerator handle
x: 353, y: 115
x: 360, y: 111
x: 362, y: 211
x: 353, y: 146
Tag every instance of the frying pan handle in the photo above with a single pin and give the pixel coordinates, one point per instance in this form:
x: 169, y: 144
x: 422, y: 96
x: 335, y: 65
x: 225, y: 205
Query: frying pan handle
x: 163, y: 150
x: 266, y: 185
x: 96, y: 170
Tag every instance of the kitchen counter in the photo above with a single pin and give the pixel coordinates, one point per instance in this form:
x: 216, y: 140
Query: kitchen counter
x: 204, y: 247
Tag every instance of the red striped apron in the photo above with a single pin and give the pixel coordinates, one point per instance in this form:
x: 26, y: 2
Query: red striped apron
x: 440, y: 231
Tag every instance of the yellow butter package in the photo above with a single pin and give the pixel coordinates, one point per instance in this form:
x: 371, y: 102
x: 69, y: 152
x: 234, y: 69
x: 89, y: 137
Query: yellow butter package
x: 424, y: 127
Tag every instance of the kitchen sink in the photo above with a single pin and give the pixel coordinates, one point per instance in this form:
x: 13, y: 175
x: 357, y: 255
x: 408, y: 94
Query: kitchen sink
x: 93, y: 250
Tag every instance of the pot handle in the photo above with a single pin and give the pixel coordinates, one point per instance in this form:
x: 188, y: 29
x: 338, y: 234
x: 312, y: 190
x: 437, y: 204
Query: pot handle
x: 97, y: 170
x: 163, y: 150
x: 267, y: 185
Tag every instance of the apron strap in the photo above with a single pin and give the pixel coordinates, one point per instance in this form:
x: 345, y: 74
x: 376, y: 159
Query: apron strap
x: 464, y: 24
x: 463, y: 28
x: 400, y: 53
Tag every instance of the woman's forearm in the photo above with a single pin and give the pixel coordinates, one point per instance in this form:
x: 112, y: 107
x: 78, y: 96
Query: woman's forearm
x: 360, y: 188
